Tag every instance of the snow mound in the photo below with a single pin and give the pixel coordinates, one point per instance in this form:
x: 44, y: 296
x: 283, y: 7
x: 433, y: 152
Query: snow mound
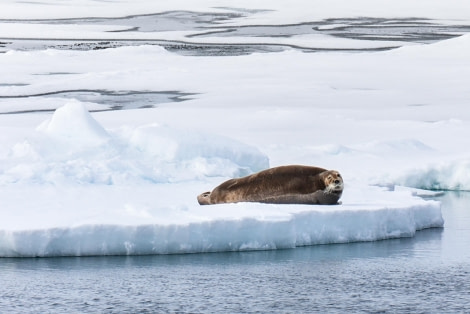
x: 74, y: 123
x: 132, y: 229
x: 72, y: 147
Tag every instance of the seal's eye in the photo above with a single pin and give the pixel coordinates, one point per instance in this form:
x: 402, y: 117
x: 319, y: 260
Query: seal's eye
x: 339, y: 176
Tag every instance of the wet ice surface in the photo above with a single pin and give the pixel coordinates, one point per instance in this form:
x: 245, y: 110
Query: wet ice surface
x: 104, y: 99
x: 206, y: 29
x: 412, y: 30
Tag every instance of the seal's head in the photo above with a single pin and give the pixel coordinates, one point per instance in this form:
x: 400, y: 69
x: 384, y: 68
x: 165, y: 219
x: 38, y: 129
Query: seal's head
x: 333, y: 182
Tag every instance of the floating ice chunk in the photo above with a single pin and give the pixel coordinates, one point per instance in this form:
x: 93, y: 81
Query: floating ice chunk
x: 108, y: 222
x: 452, y: 175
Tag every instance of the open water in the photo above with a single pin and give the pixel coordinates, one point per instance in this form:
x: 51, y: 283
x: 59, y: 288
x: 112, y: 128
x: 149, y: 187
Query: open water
x: 429, y: 273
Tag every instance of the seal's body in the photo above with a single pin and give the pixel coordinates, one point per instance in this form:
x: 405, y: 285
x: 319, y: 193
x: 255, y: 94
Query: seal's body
x: 280, y: 185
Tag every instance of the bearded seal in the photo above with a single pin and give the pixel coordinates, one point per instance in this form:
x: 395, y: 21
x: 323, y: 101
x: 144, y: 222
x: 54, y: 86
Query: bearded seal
x: 292, y: 184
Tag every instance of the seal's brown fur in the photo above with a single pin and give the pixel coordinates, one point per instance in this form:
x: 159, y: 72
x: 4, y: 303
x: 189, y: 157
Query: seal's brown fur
x: 280, y: 185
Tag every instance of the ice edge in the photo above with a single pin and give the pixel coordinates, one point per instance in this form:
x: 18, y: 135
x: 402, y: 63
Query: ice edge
x: 303, y: 228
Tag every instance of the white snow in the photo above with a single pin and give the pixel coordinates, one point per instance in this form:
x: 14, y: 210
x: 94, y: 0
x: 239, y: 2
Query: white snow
x: 73, y: 123
x: 267, y: 11
x: 73, y: 148
x: 125, y: 182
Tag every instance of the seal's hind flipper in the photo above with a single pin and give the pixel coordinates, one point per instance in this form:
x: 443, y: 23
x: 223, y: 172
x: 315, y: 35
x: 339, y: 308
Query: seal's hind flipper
x: 204, y: 198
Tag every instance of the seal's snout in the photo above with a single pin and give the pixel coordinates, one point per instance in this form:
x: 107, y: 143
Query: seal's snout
x: 334, y: 183
x: 204, y: 198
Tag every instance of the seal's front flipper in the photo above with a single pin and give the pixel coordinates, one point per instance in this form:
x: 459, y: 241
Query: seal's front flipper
x: 204, y: 198
x: 318, y: 197
x: 325, y: 198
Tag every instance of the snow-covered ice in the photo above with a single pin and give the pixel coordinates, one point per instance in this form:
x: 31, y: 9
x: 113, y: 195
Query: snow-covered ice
x: 125, y: 182
x: 73, y: 188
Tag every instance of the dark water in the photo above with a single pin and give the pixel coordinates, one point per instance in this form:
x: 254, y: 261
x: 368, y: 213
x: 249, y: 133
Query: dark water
x: 429, y: 273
